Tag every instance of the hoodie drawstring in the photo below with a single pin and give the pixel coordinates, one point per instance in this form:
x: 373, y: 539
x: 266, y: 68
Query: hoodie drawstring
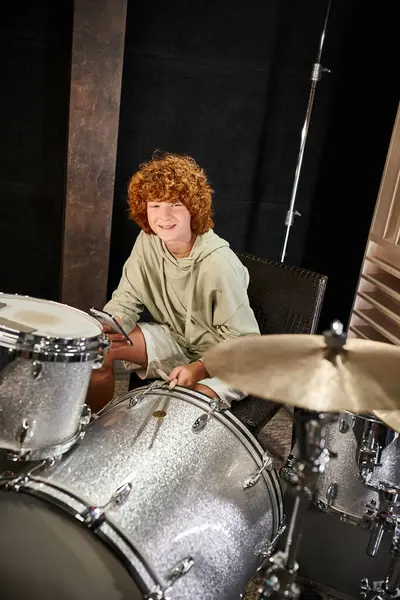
x: 188, y: 322
x: 189, y: 302
x: 166, y: 297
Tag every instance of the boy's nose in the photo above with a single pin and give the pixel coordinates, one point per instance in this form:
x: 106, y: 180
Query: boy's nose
x: 165, y: 210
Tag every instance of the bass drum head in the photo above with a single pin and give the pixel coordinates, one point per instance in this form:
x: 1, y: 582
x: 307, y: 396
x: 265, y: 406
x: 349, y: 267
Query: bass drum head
x: 46, y: 554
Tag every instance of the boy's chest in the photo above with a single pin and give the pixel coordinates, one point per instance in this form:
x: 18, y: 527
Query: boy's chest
x: 184, y: 289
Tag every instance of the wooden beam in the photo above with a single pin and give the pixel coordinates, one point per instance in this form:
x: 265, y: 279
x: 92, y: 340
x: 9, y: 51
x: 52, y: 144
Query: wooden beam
x: 96, y: 75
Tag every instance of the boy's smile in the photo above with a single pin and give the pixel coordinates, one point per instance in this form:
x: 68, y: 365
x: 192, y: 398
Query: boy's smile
x: 167, y: 226
x: 170, y: 221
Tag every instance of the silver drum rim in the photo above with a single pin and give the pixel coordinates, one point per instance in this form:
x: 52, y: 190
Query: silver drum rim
x: 131, y: 556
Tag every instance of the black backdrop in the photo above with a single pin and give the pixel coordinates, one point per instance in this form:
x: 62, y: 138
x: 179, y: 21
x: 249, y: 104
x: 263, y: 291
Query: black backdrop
x: 230, y: 86
x: 35, y: 53
x: 227, y: 82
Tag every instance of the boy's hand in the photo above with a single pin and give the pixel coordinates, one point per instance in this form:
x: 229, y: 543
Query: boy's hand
x: 188, y: 375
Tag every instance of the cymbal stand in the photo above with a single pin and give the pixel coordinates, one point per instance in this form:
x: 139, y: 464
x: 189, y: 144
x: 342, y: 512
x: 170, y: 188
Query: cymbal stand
x: 389, y: 515
x: 316, y: 74
x: 280, y: 575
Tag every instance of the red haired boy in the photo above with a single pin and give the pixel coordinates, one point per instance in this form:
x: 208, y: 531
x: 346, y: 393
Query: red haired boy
x: 186, y: 276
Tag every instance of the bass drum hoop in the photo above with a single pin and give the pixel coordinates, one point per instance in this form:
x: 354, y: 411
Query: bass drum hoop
x: 108, y: 532
x: 66, y: 511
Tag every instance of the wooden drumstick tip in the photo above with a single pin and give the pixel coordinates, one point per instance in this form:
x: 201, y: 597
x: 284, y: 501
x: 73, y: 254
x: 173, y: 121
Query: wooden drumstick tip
x: 173, y: 384
x: 162, y: 375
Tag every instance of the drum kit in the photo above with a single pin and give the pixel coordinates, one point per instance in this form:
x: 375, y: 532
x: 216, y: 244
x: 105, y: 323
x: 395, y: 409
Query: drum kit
x: 164, y: 494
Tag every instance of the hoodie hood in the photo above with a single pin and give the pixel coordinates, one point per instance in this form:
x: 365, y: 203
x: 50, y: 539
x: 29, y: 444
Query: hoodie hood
x: 203, y: 246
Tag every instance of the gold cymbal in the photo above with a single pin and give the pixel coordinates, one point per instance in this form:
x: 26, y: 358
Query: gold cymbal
x: 302, y: 370
x: 390, y: 417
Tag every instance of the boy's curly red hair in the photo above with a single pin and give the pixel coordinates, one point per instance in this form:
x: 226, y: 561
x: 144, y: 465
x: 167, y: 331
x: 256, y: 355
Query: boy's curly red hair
x: 171, y: 178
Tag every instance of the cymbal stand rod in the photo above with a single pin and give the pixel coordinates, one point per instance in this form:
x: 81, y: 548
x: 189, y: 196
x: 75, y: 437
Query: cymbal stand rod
x: 316, y: 75
x: 301, y: 505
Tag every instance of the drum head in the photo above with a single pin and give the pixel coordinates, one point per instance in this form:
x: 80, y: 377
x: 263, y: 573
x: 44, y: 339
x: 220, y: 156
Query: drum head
x: 47, y: 318
x: 46, y: 554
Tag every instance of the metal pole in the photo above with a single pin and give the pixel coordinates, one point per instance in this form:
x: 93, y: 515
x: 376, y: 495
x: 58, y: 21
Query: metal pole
x: 316, y: 75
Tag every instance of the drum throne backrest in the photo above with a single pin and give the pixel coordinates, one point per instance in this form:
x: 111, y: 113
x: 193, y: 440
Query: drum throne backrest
x: 285, y: 299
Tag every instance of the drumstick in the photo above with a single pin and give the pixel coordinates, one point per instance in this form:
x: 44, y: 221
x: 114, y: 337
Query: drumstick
x: 164, y: 376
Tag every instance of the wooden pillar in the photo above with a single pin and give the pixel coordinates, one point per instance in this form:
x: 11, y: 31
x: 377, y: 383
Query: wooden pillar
x: 96, y: 75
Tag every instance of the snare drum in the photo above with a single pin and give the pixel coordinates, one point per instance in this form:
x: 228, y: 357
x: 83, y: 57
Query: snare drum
x: 48, y: 351
x: 172, y: 499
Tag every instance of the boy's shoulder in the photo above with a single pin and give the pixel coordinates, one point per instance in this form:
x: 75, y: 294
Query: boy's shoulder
x: 224, y: 263
x: 224, y: 256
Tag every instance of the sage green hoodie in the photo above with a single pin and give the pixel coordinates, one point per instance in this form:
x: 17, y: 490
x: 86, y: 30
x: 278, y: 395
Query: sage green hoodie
x: 202, y: 298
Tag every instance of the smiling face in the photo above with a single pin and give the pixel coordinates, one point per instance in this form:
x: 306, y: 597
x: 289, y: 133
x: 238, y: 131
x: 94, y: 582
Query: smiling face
x: 170, y: 221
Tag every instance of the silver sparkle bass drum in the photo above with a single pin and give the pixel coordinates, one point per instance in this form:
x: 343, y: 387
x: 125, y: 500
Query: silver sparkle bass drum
x: 179, y: 491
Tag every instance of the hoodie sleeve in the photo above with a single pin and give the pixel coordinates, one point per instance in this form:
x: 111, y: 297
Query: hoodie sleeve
x: 125, y: 301
x: 232, y: 315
